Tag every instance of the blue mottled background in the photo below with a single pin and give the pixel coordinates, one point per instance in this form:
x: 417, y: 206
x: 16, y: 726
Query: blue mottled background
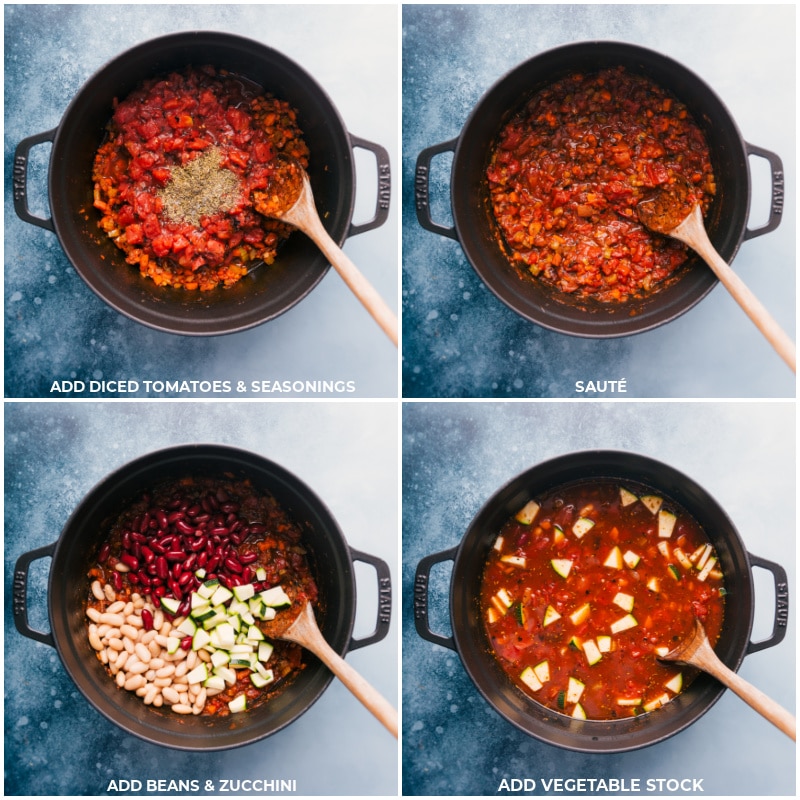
x: 456, y: 455
x: 56, y: 328
x: 55, y: 742
x: 459, y: 340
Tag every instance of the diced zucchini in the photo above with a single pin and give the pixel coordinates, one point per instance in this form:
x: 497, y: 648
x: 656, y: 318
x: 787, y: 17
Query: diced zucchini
x: 170, y: 605
x: 652, y: 502
x: 624, y: 601
x: 200, y: 639
x: 558, y: 534
x: 663, y: 548
x: 198, y: 674
x: 704, y: 555
x: 575, y: 643
x: 631, y: 559
x: 604, y: 644
x: 208, y: 588
x: 198, y: 602
x: 219, y: 658
x: 674, y: 571
x: 706, y: 569
x: 666, y: 523
x: 624, y: 623
x: 261, y: 574
x: 528, y: 512
x: 187, y: 627
x: 263, y: 671
x: 580, y: 614
x: 227, y: 674
x: 582, y: 527
x: 614, y: 558
x: 491, y: 615
x: 200, y: 574
x: 498, y: 543
x: 591, y: 651
x: 173, y: 645
x: 654, y: 585
x: 562, y: 566
x: 276, y: 597
x: 626, y: 497
x: 237, y: 607
x: 260, y: 681
x: 550, y: 616
x: 683, y: 559
x: 629, y: 701
x: 248, y: 618
x: 561, y: 699
x: 244, y: 592
x: 226, y: 634
x: 528, y: 677
x: 214, y: 682
x: 542, y: 670
x: 578, y: 712
x: 221, y: 596
x: 215, y: 620
x: 238, y: 704
x: 519, y: 613
x: 574, y: 690
x: 254, y: 634
x: 502, y: 596
x: 264, y: 651
x: 657, y: 702
x: 202, y: 615
x: 241, y: 661
x: 661, y: 651
x: 675, y: 683
x: 517, y: 561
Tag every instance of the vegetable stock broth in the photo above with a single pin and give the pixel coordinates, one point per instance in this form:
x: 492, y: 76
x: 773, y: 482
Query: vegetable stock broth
x: 587, y: 585
x: 567, y: 171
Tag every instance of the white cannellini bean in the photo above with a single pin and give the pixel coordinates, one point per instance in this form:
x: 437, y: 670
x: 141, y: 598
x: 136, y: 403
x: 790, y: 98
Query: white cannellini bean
x: 142, y: 652
x: 97, y: 590
x: 108, y: 591
x: 93, y: 613
x: 170, y: 695
x: 114, y: 620
x: 116, y: 607
x: 182, y: 708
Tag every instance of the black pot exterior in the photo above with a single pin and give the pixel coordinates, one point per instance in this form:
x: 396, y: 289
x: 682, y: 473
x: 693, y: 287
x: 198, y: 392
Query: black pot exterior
x: 478, y: 233
x: 470, y: 641
x: 76, y: 550
x: 266, y: 292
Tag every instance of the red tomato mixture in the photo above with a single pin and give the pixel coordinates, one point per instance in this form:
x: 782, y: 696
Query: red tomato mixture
x: 174, y: 176
x: 586, y: 587
x: 568, y: 170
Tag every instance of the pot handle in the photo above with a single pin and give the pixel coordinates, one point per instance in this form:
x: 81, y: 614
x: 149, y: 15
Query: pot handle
x: 421, y: 580
x: 422, y: 188
x: 384, y: 600
x: 20, y: 179
x: 384, y: 185
x: 777, y: 183
x: 781, y: 603
x: 20, y: 594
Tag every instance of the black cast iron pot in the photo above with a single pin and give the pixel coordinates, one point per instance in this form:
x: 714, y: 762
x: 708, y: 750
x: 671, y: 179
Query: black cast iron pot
x: 476, y: 230
x: 76, y: 549
x: 267, y: 291
x: 469, y: 640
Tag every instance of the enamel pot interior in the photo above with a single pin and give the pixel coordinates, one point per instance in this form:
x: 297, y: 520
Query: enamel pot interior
x: 77, y: 548
x: 528, y: 715
x: 267, y: 291
x: 479, y: 234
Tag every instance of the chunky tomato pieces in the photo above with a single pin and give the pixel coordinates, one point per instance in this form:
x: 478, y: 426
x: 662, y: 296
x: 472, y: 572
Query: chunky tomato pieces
x: 567, y: 172
x: 587, y: 586
x: 174, y: 176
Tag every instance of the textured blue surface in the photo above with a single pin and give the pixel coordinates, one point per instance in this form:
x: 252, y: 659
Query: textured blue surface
x: 55, y: 742
x: 456, y: 455
x: 56, y: 328
x: 459, y: 340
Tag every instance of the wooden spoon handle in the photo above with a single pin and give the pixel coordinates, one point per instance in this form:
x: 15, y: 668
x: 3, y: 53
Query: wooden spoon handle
x: 755, y: 698
x: 351, y: 275
x: 696, y: 237
x: 364, y: 691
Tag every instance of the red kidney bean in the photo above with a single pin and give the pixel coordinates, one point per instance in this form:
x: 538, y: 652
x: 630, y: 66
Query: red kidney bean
x: 143, y: 578
x: 213, y: 562
x: 133, y: 578
x: 185, y: 578
x: 162, y: 568
x: 219, y: 531
x: 147, y: 620
x: 190, y: 562
x: 247, y: 575
x: 116, y: 579
x: 162, y: 520
x: 102, y: 556
x: 224, y: 580
x: 157, y: 547
x: 233, y: 565
x: 198, y: 544
x: 148, y: 554
x: 129, y: 561
x: 256, y: 528
x: 175, y: 516
x: 248, y: 557
x: 186, y: 643
x: 184, y: 607
x: 184, y: 527
x: 138, y: 537
x: 202, y: 559
x: 145, y: 523
x: 175, y: 555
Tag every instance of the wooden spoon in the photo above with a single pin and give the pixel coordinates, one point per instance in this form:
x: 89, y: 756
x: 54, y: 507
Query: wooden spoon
x: 305, y: 632
x: 290, y: 199
x: 672, y: 212
x: 697, y: 652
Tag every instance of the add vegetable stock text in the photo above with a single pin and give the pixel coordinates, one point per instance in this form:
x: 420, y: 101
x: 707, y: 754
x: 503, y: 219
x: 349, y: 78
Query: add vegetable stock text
x: 597, y: 785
